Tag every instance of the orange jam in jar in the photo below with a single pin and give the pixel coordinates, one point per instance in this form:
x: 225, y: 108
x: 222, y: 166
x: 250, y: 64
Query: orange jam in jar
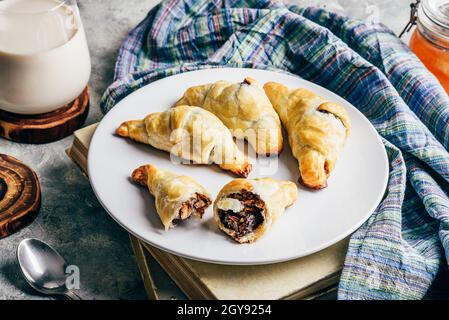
x: 430, y: 40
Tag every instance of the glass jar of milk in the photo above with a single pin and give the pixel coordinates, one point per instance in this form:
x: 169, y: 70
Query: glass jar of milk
x: 44, y: 59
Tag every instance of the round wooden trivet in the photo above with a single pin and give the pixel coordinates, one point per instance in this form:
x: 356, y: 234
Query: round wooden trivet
x: 20, y: 195
x: 47, y: 127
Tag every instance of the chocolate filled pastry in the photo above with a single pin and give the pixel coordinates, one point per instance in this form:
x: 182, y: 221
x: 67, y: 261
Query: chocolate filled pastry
x: 190, y: 133
x: 317, y: 130
x: 176, y: 197
x: 244, y: 108
x: 246, y: 209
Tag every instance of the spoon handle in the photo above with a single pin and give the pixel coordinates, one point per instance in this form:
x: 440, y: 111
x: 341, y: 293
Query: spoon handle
x: 72, y: 295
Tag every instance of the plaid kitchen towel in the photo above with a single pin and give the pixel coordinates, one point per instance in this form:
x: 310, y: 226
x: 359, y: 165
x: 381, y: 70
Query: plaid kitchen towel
x: 396, y: 254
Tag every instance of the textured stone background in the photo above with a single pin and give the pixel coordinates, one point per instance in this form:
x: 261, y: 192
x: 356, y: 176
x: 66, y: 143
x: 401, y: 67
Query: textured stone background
x: 71, y: 219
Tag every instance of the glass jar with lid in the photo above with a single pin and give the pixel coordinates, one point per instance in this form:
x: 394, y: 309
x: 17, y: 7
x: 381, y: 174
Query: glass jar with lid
x: 430, y: 40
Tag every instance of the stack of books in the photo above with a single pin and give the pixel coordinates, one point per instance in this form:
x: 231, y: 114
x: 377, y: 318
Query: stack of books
x: 305, y: 278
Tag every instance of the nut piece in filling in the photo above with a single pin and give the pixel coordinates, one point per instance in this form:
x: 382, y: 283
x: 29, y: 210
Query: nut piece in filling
x: 195, y: 206
x: 244, y: 219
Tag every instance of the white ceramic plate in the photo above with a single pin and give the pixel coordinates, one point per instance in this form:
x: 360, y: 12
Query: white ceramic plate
x: 318, y: 219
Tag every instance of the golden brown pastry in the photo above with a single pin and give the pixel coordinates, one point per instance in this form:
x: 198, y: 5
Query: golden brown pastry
x: 176, y: 197
x: 244, y: 109
x: 246, y: 209
x: 190, y: 133
x: 317, y: 130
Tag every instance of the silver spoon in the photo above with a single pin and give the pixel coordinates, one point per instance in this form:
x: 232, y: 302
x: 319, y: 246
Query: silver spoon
x: 44, y: 268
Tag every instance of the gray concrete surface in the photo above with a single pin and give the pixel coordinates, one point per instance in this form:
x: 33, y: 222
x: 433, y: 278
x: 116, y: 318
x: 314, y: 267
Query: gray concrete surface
x: 71, y: 219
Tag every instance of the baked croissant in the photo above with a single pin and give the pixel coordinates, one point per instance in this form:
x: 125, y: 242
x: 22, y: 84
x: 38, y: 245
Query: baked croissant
x: 190, y: 133
x: 246, y: 209
x: 176, y: 197
x: 244, y: 109
x: 317, y: 130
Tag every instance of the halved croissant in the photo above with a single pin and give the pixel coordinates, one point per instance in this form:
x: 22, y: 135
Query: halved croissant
x: 176, y: 197
x: 246, y: 209
x: 317, y: 130
x: 190, y: 133
x: 244, y: 109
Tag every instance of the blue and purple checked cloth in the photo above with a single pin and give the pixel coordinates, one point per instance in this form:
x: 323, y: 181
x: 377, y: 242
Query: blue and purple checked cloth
x: 397, y: 253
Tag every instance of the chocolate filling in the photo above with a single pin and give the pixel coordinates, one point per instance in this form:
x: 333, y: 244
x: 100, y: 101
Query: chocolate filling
x: 247, y: 220
x: 194, y: 206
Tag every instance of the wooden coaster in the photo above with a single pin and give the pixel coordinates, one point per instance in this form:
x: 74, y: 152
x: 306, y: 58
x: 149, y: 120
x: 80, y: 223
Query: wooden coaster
x: 20, y: 195
x: 47, y: 127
